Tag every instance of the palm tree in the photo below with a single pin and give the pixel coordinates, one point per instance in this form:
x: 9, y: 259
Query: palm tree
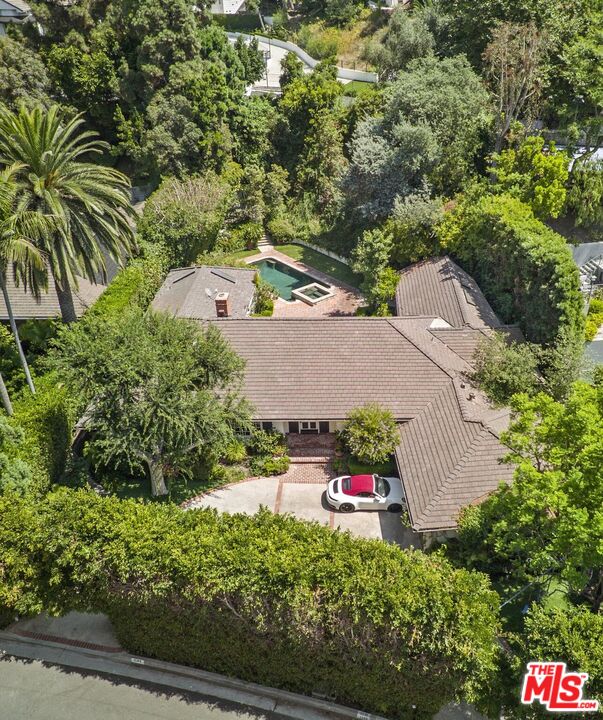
x: 4, y: 397
x: 90, y: 203
x: 19, y: 229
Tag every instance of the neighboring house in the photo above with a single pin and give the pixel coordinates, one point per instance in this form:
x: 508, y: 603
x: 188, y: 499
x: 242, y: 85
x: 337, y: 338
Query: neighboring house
x: 26, y: 306
x: 13, y: 11
x: 305, y: 375
x: 589, y: 259
x: 227, y: 7
x: 206, y: 292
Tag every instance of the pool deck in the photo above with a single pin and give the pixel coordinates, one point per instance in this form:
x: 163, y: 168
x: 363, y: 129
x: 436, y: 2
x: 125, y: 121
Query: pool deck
x: 345, y: 301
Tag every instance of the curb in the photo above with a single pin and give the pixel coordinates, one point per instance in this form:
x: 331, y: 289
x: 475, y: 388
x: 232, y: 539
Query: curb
x: 180, y: 677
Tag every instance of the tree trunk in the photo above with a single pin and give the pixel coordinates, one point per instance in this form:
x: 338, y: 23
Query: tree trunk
x: 13, y: 327
x: 64, y: 294
x: 5, y: 398
x: 158, y: 486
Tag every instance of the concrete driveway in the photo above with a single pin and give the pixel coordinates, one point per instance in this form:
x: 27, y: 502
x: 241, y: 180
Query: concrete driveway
x: 301, y: 492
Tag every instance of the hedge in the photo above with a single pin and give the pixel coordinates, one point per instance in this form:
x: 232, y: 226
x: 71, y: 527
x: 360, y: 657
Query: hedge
x: 46, y: 419
x: 265, y: 598
x: 524, y: 268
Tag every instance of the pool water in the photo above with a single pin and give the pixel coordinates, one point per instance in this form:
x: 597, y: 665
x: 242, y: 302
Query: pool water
x: 283, y: 277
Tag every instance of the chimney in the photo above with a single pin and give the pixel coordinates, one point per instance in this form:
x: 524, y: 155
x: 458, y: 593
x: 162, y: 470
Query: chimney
x: 222, y: 304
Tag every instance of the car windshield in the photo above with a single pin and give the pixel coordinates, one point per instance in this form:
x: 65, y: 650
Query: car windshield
x: 381, y: 486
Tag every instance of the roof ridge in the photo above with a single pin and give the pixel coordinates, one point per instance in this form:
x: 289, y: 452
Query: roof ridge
x: 453, y: 474
x: 457, y: 286
x: 414, y: 344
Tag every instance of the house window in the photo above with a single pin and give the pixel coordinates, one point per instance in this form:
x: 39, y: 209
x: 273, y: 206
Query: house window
x: 267, y: 426
x: 308, y: 427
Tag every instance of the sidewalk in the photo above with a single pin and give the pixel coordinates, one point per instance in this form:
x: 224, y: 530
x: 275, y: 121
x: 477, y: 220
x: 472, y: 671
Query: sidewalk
x: 25, y: 640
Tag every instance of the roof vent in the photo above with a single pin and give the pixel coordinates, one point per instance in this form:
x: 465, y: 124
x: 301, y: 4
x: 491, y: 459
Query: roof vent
x: 223, y: 275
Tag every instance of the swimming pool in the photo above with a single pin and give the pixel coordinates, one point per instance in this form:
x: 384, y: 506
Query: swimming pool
x: 284, y: 278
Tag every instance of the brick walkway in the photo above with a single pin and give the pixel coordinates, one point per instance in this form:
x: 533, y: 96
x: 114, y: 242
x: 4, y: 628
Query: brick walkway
x: 345, y: 301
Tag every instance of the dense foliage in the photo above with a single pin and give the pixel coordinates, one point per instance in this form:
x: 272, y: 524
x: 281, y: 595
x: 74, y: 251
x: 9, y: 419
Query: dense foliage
x: 159, y: 393
x: 268, y: 598
x: 548, y: 523
x: 370, y: 433
x: 524, y: 268
x: 185, y: 216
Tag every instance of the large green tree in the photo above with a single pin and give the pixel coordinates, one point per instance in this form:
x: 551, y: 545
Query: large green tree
x: 549, y: 521
x: 90, y: 203
x: 23, y: 76
x: 429, y: 135
x: 160, y: 392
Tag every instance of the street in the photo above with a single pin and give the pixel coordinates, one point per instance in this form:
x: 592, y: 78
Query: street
x: 31, y: 690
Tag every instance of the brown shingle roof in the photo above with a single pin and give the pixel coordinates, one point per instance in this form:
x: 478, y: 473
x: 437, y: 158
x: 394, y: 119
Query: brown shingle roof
x: 190, y: 292
x: 320, y: 369
x: 25, y: 306
x: 464, y: 341
x: 449, y: 456
x: 440, y: 288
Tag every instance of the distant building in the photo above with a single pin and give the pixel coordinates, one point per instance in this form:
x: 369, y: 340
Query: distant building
x: 227, y: 7
x: 207, y: 293
x: 13, y: 11
x: 26, y: 306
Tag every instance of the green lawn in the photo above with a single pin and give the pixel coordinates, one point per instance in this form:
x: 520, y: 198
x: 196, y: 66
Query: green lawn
x: 315, y: 259
x: 357, y: 87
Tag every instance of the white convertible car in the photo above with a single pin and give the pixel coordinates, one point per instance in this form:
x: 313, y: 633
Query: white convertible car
x: 366, y: 492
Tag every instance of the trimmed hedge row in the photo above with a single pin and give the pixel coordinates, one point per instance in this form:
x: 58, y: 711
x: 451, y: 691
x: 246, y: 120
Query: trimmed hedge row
x: 524, y: 268
x: 46, y: 419
x: 266, y: 598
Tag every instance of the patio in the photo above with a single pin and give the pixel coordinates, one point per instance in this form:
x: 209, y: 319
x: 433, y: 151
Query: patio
x: 345, y: 301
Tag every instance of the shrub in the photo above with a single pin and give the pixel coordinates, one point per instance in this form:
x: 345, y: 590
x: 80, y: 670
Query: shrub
x: 267, y: 465
x: 282, y: 230
x: 185, y: 216
x: 265, y: 295
x: 524, y: 268
x: 265, y: 598
x: 245, y: 236
x: 225, y: 475
x: 234, y: 452
x: 370, y: 433
x: 46, y: 420
x: 264, y: 442
x: 319, y: 43
x: 15, y: 474
x: 594, y: 319
x: 136, y: 284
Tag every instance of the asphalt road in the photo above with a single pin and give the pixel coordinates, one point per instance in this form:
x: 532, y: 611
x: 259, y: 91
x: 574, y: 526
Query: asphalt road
x: 32, y: 690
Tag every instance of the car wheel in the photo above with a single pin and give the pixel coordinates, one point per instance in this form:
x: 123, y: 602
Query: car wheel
x: 346, y: 507
x: 395, y: 508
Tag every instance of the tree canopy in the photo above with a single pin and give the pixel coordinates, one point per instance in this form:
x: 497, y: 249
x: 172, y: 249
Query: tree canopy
x: 158, y: 392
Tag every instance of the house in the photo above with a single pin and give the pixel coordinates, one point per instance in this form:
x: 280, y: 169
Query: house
x: 26, y: 306
x: 13, y: 11
x: 227, y: 7
x: 207, y: 292
x: 305, y: 375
